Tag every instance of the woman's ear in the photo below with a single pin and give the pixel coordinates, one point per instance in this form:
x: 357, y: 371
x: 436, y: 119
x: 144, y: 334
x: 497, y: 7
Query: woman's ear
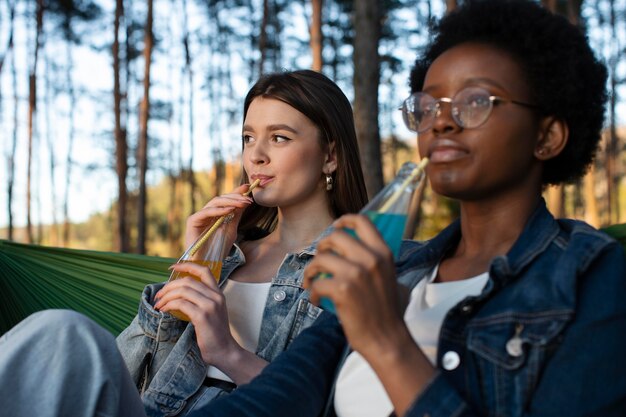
x: 553, y: 137
x: 330, y: 162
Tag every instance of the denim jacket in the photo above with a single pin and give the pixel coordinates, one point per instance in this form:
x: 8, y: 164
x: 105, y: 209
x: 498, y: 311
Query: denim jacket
x: 163, y: 357
x: 546, y: 337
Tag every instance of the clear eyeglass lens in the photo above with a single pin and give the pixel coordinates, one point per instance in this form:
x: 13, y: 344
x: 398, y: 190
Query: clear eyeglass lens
x: 418, y: 111
x: 409, y: 114
x: 470, y: 108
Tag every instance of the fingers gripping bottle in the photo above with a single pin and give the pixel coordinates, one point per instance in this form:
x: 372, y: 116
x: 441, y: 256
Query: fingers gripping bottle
x: 208, y: 250
x: 389, y: 209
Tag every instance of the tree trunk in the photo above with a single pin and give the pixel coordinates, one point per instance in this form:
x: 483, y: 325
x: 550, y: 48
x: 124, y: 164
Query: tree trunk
x: 263, y: 36
x: 121, y: 145
x: 11, y: 156
x: 333, y: 18
x: 451, y: 5
x: 573, y: 11
x: 556, y: 200
x: 49, y: 94
x: 189, y: 71
x: 174, y: 219
x: 591, y: 206
x: 612, y: 148
x: 317, y: 37
x: 173, y: 166
x: 219, y: 171
x: 366, y: 80
x: 9, y: 46
x: 32, y: 108
x: 31, y: 111
x: 611, y: 158
x: 70, y: 136
x: 142, y: 146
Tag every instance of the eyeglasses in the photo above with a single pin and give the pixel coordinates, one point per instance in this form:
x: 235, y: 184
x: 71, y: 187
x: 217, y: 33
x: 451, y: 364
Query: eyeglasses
x: 470, y: 108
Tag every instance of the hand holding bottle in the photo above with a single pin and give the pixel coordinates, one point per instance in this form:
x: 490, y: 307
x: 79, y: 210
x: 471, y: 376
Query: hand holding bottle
x: 388, y: 211
x: 363, y: 288
x: 218, y: 206
x: 201, y: 302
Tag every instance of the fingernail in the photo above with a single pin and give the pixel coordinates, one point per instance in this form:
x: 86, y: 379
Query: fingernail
x: 171, y: 266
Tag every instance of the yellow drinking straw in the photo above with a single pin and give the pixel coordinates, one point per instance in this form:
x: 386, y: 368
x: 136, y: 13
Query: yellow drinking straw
x: 218, y: 222
x: 416, y: 171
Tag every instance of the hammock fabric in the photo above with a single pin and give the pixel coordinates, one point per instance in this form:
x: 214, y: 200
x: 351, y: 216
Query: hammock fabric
x: 103, y: 285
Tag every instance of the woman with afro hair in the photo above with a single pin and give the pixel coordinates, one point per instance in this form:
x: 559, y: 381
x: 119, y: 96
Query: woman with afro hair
x: 508, y: 311
x: 511, y: 312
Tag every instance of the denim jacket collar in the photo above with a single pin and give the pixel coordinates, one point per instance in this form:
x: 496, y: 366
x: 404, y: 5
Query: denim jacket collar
x: 540, y: 230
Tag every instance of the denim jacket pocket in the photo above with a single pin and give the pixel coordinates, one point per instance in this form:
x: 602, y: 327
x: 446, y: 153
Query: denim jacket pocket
x: 161, y: 405
x: 149, y: 339
x: 509, y: 353
x: 306, y: 314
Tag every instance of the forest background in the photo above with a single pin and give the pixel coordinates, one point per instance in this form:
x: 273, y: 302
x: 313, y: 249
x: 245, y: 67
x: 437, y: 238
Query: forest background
x: 119, y: 118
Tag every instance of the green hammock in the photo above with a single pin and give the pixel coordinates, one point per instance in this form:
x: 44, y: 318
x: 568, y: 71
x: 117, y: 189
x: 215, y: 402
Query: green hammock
x: 103, y: 285
x: 618, y: 232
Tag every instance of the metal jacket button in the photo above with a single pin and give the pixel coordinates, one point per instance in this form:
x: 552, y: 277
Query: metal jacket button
x: 280, y: 295
x: 514, y: 345
x: 451, y: 360
x: 467, y: 309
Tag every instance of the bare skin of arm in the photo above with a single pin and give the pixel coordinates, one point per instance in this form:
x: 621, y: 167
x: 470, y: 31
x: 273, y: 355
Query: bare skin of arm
x: 203, y: 301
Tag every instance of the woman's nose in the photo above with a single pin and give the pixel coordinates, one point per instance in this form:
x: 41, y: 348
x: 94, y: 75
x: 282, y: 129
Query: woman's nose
x: 444, y: 122
x: 258, y: 154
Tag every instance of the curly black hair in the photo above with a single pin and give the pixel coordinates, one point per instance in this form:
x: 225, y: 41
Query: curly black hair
x: 566, y: 80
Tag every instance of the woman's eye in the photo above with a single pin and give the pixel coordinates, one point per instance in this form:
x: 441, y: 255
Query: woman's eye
x: 478, y: 100
x: 279, y: 138
x: 247, y: 138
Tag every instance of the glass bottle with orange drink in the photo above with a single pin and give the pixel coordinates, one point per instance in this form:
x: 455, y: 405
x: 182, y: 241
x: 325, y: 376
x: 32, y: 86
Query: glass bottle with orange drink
x: 208, y: 250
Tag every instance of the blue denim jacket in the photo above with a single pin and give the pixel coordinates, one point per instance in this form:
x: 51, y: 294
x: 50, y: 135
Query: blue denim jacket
x: 546, y: 337
x: 163, y: 357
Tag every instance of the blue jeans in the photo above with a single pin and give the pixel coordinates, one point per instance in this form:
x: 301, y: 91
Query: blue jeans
x: 60, y: 363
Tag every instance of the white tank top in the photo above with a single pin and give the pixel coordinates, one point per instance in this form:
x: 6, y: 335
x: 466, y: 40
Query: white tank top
x: 359, y: 393
x: 245, y: 303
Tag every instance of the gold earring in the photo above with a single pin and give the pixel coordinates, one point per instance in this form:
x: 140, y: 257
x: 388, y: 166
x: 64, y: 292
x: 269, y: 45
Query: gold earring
x: 329, y: 182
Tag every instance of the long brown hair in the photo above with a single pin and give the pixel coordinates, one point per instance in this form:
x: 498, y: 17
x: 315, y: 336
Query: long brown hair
x: 323, y: 102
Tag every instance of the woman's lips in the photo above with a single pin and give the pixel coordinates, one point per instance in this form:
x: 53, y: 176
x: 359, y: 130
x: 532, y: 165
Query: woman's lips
x: 445, y: 150
x: 265, y: 179
x: 446, y: 155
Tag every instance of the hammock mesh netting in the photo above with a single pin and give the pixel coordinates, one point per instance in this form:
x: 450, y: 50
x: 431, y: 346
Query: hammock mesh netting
x: 103, y: 285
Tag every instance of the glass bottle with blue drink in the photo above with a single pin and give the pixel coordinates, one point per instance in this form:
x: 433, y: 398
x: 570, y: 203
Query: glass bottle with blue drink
x: 389, y: 210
